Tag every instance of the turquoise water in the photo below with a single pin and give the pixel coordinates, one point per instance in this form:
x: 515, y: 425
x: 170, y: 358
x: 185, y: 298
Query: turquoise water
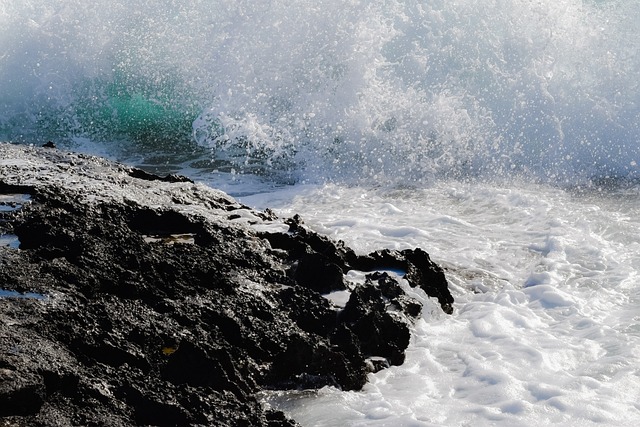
x: 501, y: 136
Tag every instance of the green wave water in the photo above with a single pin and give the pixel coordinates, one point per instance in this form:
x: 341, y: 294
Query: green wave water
x: 383, y: 91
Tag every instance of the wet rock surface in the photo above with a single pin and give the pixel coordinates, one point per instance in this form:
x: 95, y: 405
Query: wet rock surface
x: 142, y: 300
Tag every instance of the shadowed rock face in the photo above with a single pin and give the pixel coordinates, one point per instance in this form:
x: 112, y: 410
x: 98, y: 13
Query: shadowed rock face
x: 154, y: 301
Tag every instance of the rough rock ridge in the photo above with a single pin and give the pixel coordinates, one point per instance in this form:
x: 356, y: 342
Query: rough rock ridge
x: 131, y: 299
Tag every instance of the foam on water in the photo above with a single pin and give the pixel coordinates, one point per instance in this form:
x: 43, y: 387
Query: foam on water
x: 545, y: 329
x: 447, y: 110
x: 400, y: 90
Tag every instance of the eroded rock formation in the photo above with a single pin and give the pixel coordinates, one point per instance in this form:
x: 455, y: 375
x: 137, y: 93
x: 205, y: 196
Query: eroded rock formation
x: 131, y: 299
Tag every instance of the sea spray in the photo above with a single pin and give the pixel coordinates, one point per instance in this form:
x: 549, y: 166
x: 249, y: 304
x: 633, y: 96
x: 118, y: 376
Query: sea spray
x: 545, y: 329
x: 389, y: 91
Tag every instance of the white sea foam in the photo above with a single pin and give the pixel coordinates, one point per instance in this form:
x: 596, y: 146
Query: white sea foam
x: 545, y: 328
x: 421, y: 105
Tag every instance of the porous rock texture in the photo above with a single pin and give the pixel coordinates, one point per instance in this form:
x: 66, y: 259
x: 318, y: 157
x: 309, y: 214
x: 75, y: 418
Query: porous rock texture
x: 141, y: 300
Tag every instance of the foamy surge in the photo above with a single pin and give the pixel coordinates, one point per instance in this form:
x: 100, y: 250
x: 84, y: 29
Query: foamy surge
x: 427, y: 102
x: 400, y: 90
x: 545, y: 329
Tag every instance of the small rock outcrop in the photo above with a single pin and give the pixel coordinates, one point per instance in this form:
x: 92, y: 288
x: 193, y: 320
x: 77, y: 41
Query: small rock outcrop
x: 132, y: 299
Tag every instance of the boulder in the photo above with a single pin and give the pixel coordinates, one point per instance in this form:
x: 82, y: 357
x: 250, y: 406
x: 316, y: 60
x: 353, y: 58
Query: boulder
x: 133, y: 299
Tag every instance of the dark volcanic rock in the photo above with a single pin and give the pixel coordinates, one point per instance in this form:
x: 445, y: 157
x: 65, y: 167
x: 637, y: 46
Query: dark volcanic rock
x: 153, y: 301
x: 419, y: 270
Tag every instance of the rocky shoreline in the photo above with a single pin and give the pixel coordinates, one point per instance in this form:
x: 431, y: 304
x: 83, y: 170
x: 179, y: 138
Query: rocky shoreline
x: 132, y: 299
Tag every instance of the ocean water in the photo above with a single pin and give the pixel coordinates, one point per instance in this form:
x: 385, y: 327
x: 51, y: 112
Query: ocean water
x: 502, y: 136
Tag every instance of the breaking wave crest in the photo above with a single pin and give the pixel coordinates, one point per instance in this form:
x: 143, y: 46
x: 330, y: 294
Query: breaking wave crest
x: 389, y: 91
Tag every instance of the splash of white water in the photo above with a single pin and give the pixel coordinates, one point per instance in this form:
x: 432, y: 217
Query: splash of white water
x: 400, y: 90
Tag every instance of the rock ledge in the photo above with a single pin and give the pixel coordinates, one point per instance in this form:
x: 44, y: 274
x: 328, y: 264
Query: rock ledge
x: 132, y: 299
